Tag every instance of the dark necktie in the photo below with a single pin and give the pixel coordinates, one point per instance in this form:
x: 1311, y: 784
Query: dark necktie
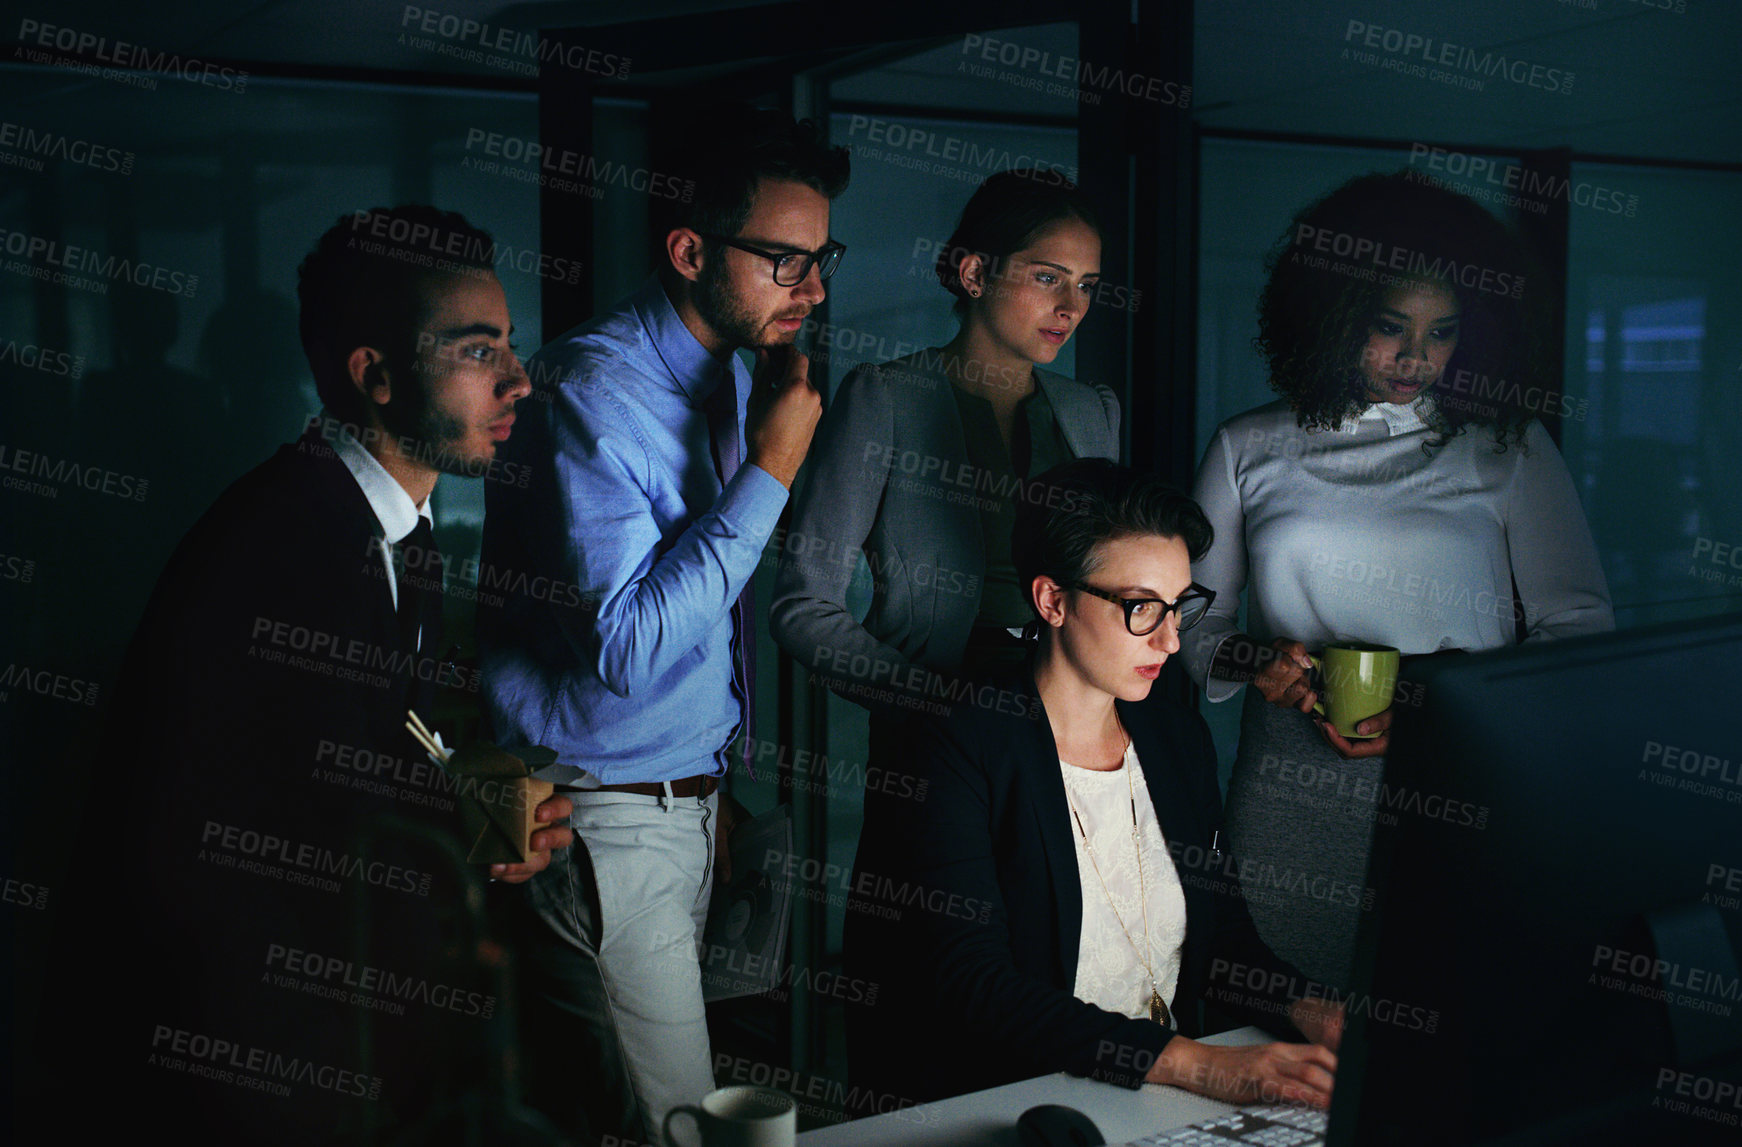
x: 722, y: 410
x: 418, y: 574
x: 419, y: 577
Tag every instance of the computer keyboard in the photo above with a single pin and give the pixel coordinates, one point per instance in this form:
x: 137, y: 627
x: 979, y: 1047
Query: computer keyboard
x: 1272, y: 1125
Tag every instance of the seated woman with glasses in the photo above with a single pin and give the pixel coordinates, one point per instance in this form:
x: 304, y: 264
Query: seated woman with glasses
x: 1054, y: 896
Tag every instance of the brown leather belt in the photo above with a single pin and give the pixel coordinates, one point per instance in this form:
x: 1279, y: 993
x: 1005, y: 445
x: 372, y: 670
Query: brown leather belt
x: 683, y: 787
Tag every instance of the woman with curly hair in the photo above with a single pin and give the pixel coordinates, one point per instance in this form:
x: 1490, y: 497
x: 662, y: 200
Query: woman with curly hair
x: 1401, y: 493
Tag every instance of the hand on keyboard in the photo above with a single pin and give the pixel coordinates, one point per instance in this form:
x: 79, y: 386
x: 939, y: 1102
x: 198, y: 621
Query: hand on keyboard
x: 1300, y: 1073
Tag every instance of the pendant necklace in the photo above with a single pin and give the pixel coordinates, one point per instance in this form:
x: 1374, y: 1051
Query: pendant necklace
x: 1157, y: 1006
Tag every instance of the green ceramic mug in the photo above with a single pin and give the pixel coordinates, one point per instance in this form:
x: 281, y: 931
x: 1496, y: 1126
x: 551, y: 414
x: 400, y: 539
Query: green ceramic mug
x: 1359, y: 680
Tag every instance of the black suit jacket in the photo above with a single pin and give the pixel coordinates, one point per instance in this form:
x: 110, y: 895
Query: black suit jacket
x: 256, y: 746
x: 967, y: 906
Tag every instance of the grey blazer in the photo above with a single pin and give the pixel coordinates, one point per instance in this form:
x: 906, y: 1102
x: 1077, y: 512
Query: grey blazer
x: 889, y: 476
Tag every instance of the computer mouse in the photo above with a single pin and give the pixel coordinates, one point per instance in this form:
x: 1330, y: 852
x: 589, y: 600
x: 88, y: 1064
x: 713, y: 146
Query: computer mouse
x: 1054, y: 1125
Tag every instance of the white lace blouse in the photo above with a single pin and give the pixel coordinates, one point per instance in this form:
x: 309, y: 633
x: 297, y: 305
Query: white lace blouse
x: 1109, y: 972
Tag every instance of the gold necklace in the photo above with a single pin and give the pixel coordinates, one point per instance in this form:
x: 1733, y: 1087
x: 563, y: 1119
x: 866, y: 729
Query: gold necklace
x: 1157, y: 1006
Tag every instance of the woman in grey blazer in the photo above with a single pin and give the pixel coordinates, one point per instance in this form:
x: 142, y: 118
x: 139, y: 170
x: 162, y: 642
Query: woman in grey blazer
x: 919, y: 462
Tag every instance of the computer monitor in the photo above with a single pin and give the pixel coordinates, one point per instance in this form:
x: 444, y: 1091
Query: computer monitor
x: 1553, y: 955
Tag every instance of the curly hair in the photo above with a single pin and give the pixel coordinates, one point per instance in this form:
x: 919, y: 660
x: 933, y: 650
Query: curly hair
x: 1328, y: 277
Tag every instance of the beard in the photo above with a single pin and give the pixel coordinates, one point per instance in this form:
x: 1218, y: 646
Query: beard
x: 729, y: 316
x: 431, y: 435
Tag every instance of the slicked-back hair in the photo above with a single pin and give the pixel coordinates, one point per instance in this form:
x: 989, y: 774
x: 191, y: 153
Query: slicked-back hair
x: 1004, y: 215
x: 1327, y: 281
x: 1066, y: 514
x: 727, y: 152
x: 360, y: 287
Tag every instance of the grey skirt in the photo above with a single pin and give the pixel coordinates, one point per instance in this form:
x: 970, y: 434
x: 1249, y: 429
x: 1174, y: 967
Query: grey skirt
x: 1300, y: 823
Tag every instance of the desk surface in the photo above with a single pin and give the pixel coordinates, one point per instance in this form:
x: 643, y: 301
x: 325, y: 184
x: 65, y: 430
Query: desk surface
x: 988, y: 1118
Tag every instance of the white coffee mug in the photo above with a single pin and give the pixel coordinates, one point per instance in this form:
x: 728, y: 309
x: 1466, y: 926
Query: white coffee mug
x: 740, y: 1117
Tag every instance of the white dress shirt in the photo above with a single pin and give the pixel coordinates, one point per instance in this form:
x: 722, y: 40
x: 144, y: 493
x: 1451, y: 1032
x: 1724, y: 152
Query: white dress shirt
x: 393, y: 507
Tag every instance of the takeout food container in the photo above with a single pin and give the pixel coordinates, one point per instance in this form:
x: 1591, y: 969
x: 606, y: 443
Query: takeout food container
x: 498, y: 796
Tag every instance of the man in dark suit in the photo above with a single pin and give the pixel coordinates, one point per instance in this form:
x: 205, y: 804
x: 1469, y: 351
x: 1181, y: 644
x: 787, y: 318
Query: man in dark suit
x: 289, y: 865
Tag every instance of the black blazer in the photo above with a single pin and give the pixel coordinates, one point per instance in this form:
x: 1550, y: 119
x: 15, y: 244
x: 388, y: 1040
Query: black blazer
x: 264, y: 696
x: 968, y: 908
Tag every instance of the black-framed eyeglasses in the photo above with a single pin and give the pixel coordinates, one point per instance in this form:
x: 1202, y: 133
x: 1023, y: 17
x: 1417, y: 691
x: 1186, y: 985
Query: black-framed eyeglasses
x: 791, y: 267
x: 1144, y: 615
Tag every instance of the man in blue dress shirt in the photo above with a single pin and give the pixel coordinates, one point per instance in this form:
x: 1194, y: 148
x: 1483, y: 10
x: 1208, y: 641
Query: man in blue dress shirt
x: 659, y: 469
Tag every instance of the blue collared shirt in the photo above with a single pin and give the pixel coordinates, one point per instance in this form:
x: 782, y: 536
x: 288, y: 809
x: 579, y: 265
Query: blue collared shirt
x: 621, y: 557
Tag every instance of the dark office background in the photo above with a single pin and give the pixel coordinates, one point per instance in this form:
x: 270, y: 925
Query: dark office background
x: 1244, y: 110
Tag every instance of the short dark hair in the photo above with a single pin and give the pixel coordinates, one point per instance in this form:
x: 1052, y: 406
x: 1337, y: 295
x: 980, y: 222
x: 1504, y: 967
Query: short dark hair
x: 1318, y: 302
x: 1005, y: 214
x: 359, y: 287
x: 727, y: 152
x: 1065, y: 514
